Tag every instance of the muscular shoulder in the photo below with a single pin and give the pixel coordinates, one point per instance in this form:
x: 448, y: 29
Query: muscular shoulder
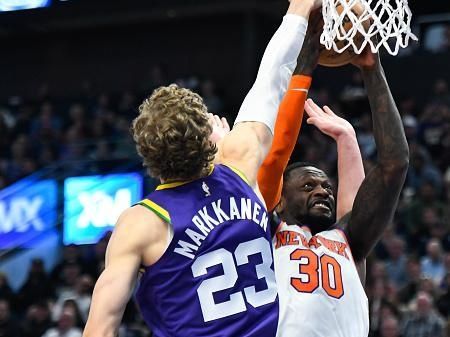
x: 142, y: 231
x: 139, y: 219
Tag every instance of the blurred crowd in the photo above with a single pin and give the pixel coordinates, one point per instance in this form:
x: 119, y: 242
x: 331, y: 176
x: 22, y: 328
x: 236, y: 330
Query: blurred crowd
x: 408, y: 274
x: 56, y: 304
x: 85, y: 134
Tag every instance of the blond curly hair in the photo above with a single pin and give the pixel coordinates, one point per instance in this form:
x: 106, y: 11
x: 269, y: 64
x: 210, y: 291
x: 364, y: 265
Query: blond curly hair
x: 172, y: 134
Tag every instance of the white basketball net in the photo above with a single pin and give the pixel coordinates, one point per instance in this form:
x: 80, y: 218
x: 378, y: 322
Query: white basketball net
x: 389, y: 22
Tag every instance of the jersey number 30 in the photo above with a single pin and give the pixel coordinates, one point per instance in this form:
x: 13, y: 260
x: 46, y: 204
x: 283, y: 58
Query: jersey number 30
x: 236, y: 304
x: 330, y: 270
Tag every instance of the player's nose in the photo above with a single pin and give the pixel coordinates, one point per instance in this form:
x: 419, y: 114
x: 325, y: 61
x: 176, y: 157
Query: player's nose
x: 321, y: 191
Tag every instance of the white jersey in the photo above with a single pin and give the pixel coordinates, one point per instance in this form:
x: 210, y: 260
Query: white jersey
x: 320, y: 293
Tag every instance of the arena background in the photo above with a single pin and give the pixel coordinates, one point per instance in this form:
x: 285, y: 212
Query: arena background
x: 71, y: 77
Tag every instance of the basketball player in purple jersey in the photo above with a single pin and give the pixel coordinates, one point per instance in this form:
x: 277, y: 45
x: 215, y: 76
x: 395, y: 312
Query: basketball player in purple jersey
x: 202, y: 238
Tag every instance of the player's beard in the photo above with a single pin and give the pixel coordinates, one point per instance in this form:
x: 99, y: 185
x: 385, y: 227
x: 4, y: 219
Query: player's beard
x: 318, y: 223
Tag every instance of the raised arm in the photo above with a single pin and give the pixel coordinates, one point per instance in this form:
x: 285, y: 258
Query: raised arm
x: 377, y: 198
x: 350, y: 165
x: 290, y: 116
x: 246, y: 146
x: 114, y: 287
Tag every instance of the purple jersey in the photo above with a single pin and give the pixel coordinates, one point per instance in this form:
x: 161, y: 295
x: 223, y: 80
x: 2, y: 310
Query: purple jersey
x: 216, y: 277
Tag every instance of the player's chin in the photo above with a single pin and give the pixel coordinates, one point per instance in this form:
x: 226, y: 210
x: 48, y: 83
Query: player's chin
x: 321, y: 217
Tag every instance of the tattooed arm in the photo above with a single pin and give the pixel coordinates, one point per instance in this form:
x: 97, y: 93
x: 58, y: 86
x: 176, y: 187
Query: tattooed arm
x: 378, y: 195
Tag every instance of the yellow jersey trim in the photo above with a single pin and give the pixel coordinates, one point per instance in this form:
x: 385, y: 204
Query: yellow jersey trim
x: 155, y: 208
x: 172, y: 185
x: 239, y: 173
x: 180, y: 183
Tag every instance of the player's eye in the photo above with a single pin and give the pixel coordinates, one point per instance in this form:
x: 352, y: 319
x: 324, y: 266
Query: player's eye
x: 307, y: 187
x: 328, y: 187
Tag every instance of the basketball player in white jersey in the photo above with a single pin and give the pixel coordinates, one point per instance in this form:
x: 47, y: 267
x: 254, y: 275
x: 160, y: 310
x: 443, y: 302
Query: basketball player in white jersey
x: 320, y: 263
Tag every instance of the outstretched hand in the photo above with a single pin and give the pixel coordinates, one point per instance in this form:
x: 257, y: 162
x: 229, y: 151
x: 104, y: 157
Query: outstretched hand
x: 220, y: 127
x: 327, y: 121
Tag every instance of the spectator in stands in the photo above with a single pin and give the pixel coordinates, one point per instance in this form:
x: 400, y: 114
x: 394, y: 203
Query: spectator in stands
x: 101, y: 129
x: 376, y: 272
x: 383, y: 303
x: 125, y: 148
x: 37, y: 320
x: 74, y: 148
x: 433, y: 128
x: 390, y: 327
x: 19, y: 164
x: 66, y: 326
x: 423, y: 322
x: 8, y: 326
x: 411, y: 128
x: 37, y: 287
x: 381, y: 249
x: 427, y: 198
x: 48, y: 126
x: 81, y: 294
x: 102, y: 152
x: 441, y: 92
x: 428, y: 286
x: 103, y: 106
x: 71, y: 255
x: 70, y: 273
x: 377, y: 298
x: 408, y: 104
x: 438, y: 226
x: 422, y: 170
x: 413, y: 276
x: 77, y: 119
x: 71, y: 305
x: 432, y: 265
x: 396, y: 262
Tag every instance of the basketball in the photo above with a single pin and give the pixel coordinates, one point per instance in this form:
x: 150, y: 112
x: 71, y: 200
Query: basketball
x: 330, y: 58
